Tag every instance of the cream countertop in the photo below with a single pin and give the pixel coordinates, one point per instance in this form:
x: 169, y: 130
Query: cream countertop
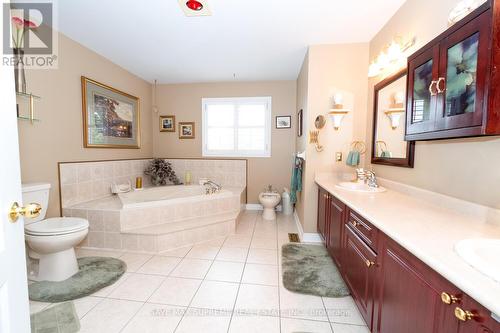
x: 429, y: 225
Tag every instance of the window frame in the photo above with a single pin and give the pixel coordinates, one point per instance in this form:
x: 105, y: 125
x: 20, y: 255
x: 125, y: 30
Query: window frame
x: 237, y: 101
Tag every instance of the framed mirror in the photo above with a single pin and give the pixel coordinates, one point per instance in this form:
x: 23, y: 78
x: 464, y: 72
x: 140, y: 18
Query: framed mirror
x: 388, y: 145
x: 320, y: 122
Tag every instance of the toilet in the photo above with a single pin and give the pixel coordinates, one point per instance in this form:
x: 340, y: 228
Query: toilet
x: 269, y: 200
x: 51, y: 240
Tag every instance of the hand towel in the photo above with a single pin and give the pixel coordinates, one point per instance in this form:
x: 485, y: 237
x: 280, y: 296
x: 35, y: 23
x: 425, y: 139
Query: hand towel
x: 353, y: 158
x: 296, y: 181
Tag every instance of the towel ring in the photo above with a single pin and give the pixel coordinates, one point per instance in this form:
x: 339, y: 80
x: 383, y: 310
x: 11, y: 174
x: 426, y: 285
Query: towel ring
x: 358, y: 146
x: 381, y: 146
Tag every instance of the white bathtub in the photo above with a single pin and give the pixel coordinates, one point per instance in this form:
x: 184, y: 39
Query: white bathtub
x: 158, y: 196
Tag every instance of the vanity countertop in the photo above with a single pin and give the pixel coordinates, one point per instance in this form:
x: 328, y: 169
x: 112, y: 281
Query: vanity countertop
x: 429, y: 225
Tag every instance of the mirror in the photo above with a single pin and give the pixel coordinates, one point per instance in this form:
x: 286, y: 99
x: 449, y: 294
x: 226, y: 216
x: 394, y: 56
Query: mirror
x: 320, y: 122
x: 389, y: 120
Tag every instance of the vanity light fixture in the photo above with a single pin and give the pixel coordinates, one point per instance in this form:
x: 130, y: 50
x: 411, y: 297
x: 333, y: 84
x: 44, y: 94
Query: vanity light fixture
x: 338, y: 112
x: 392, y: 57
x: 396, y: 110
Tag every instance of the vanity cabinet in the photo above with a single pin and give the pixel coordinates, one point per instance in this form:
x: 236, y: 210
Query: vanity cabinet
x: 393, y: 290
x: 454, y: 82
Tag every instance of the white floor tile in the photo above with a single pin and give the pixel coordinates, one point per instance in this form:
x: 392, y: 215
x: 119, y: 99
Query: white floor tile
x: 153, y: 318
x: 256, y: 299
x: 85, y: 304
x: 192, y: 268
x: 137, y: 287
x: 260, y: 274
x: 242, y: 241
x: 180, y: 252
x: 159, y: 265
x: 298, y: 325
x: 134, y: 260
x: 203, y: 252
x: 261, y: 256
x: 254, y: 324
x: 175, y: 291
x: 295, y: 305
x: 215, y: 295
x: 345, y: 328
x: 109, y: 316
x: 225, y: 271
x: 232, y: 254
x: 204, y: 320
x: 214, y: 242
x: 264, y: 243
x: 343, y: 311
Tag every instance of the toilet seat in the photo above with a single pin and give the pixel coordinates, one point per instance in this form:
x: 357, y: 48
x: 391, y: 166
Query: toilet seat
x: 56, y: 226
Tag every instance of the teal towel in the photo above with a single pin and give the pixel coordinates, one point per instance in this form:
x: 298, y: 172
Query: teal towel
x: 386, y: 154
x: 353, y: 158
x: 296, y: 182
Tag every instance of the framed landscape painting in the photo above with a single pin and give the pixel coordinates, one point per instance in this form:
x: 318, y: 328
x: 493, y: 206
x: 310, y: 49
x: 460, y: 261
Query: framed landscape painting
x: 110, y: 117
x: 167, y: 123
x: 186, y: 130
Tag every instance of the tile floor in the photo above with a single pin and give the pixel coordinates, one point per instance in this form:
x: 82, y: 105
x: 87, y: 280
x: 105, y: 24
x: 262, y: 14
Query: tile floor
x: 231, y: 284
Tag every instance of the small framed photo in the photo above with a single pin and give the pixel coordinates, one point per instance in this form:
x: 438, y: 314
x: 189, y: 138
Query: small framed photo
x: 167, y: 123
x: 300, y: 122
x: 186, y: 130
x: 283, y: 122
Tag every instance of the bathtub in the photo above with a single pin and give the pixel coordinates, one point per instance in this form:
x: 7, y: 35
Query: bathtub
x: 162, y: 195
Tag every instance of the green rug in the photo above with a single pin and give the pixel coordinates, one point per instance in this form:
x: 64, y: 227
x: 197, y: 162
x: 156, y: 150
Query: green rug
x: 309, y: 269
x: 60, y: 318
x: 95, y: 273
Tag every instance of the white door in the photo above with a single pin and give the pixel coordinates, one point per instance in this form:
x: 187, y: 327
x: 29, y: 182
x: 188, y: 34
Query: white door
x: 14, y: 304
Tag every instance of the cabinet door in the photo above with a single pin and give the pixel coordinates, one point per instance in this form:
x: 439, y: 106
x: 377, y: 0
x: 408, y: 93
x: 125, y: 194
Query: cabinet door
x: 480, y: 322
x: 463, y: 68
x: 423, y: 72
x: 360, y: 272
x: 322, y: 213
x: 336, y: 222
x: 408, y: 300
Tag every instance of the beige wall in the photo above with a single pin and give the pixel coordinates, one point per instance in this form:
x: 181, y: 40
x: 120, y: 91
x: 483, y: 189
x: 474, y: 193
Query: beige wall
x: 332, y: 69
x: 184, y: 101
x: 58, y: 137
x: 461, y: 168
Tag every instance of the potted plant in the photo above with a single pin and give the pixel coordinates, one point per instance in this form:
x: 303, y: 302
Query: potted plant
x: 161, y: 172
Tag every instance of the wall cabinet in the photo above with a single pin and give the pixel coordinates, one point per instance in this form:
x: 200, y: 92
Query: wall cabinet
x: 393, y: 290
x: 453, y: 82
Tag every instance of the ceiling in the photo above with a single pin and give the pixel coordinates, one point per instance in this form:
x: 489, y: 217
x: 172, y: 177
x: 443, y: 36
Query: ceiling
x: 248, y: 40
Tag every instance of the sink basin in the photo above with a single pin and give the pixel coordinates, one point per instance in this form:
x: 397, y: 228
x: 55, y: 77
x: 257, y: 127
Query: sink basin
x: 360, y: 187
x: 482, y: 254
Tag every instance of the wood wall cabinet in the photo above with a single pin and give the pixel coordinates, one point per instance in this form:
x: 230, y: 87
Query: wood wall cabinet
x: 454, y: 81
x: 393, y: 290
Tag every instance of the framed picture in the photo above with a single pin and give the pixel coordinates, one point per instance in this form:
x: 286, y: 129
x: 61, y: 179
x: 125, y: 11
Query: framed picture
x: 283, y: 122
x: 300, y: 122
x: 167, y: 123
x: 186, y: 130
x: 111, y: 118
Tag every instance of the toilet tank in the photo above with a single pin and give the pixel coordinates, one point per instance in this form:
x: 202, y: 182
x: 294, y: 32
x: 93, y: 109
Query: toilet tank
x: 36, y: 193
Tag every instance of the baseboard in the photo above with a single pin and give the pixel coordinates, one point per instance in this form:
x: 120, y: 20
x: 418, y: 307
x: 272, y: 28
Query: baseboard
x: 259, y: 207
x: 306, y: 237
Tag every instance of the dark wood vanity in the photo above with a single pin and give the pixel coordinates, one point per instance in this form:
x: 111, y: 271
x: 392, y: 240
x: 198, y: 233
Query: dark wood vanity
x: 394, y: 291
x: 454, y: 81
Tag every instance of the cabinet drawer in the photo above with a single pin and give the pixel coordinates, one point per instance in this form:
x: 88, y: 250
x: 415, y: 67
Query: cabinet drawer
x: 364, y: 229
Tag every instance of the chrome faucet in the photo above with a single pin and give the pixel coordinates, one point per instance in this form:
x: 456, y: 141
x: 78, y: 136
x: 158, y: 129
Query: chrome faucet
x: 371, y: 179
x: 212, y: 187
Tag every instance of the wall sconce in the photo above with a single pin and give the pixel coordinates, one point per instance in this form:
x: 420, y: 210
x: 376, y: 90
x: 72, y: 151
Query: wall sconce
x: 337, y: 113
x: 392, y: 56
x: 396, y: 110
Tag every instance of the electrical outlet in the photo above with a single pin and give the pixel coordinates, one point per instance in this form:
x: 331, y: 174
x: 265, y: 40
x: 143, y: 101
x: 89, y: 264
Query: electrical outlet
x: 338, y: 157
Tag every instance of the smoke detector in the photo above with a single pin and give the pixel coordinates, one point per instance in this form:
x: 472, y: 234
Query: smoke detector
x: 195, y: 7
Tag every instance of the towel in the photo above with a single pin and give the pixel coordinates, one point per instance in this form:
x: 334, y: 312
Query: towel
x: 353, y: 158
x: 386, y: 154
x: 296, y: 182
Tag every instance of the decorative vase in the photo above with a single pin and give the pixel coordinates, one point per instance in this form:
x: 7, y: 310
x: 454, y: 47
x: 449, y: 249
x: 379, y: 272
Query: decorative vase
x: 19, y: 75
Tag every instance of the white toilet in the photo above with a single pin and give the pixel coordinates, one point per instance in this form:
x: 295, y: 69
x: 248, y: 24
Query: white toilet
x: 269, y: 200
x: 52, y: 240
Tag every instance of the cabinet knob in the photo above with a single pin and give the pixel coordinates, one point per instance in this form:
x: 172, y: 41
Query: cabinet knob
x: 449, y: 299
x: 464, y: 315
x: 354, y: 223
x: 439, y: 82
x: 369, y: 263
x: 432, y: 88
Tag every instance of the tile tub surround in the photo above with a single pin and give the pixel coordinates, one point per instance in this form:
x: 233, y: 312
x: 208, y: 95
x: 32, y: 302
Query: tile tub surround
x: 429, y: 225
x: 86, y: 181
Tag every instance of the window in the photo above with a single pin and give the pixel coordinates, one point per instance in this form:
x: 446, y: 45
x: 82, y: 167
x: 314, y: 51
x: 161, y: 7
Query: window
x: 237, y: 127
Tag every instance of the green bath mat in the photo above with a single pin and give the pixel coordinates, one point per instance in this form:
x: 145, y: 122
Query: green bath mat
x: 309, y: 269
x: 60, y: 318
x: 95, y: 273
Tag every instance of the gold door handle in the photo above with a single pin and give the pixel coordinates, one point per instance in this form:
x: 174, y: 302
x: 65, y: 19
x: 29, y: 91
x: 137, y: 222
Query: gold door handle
x: 354, y: 223
x: 463, y: 315
x: 431, y: 86
x: 369, y: 263
x: 449, y: 299
x: 438, y: 85
x: 29, y: 211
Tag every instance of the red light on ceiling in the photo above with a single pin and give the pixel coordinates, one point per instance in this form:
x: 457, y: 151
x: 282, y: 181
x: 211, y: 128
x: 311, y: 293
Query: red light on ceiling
x: 194, y: 5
